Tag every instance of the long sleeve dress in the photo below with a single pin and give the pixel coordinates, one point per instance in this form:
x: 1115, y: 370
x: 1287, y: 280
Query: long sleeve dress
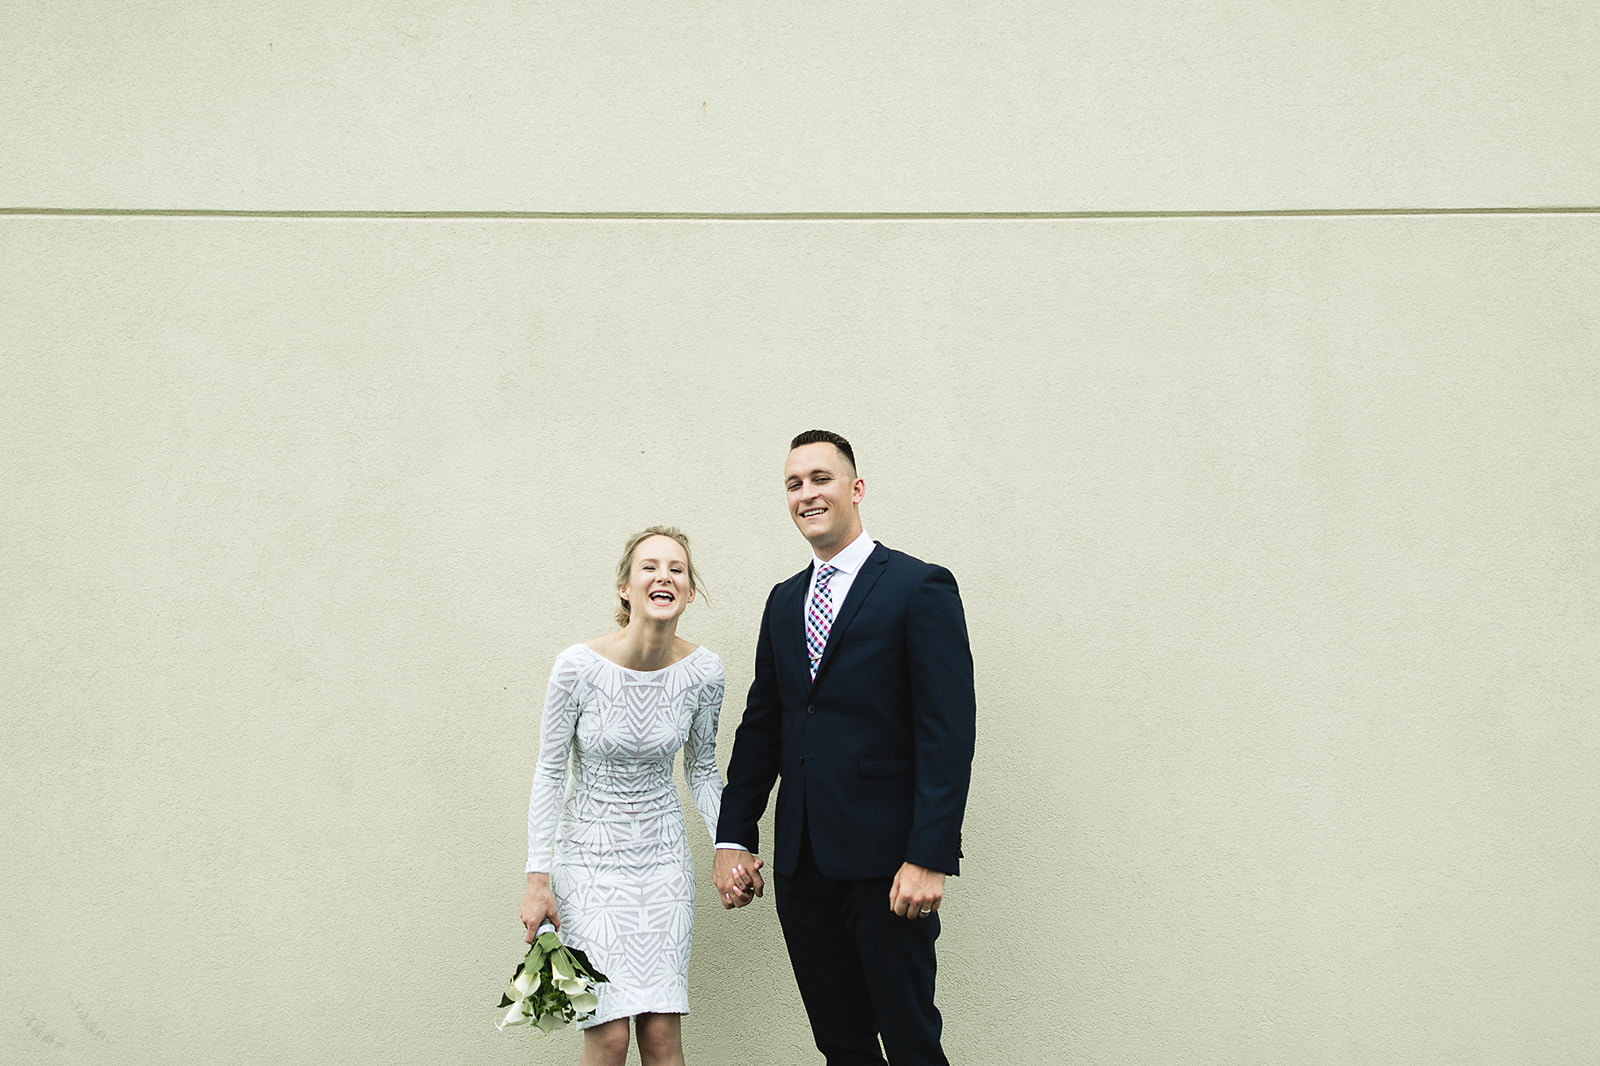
x: 614, y: 843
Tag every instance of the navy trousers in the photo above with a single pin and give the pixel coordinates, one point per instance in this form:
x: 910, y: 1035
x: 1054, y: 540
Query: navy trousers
x: 863, y: 971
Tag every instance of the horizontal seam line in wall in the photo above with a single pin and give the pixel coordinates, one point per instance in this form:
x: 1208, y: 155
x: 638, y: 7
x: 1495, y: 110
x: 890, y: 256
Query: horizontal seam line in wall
x: 787, y: 216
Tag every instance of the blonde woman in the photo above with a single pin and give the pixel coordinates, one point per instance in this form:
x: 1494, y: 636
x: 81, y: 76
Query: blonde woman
x: 609, y: 864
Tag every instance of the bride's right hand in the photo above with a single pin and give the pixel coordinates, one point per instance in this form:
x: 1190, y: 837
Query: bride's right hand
x: 538, y: 906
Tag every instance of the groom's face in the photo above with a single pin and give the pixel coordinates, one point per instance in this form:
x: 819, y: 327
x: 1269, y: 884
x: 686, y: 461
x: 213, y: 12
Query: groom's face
x: 824, y: 492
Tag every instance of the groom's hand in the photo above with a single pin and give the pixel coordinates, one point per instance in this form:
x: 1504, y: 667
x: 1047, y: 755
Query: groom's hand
x: 737, y: 875
x: 917, y: 891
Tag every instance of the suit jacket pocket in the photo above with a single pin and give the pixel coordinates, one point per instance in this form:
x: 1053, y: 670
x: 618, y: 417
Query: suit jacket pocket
x: 884, y: 767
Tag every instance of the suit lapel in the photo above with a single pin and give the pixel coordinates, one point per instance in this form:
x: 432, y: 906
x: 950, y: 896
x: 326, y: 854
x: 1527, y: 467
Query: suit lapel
x: 788, y: 628
x: 860, y: 589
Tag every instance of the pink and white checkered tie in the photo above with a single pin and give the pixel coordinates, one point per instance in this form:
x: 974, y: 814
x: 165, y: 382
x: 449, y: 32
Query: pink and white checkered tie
x: 819, y: 616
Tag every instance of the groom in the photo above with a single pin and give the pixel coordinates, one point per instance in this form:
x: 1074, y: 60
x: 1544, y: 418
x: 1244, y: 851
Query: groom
x: 863, y: 702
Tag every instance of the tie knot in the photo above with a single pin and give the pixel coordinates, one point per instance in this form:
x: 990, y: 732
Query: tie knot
x: 824, y: 572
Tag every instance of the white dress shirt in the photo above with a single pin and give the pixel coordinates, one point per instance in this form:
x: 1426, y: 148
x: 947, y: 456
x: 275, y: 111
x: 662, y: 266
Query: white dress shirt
x: 848, y: 561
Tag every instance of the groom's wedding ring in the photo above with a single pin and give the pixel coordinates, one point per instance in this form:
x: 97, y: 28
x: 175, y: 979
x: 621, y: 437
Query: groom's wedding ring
x: 926, y: 910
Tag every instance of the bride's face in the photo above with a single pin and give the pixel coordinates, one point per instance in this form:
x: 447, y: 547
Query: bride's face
x: 658, y: 587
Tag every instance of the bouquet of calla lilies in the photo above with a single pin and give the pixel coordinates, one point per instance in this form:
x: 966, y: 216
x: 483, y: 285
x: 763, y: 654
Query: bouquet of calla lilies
x: 552, y: 988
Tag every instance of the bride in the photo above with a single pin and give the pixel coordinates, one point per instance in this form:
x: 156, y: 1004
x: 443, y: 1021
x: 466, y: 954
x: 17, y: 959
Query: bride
x: 610, y: 865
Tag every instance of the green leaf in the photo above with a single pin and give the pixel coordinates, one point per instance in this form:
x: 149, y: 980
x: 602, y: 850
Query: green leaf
x: 589, y: 968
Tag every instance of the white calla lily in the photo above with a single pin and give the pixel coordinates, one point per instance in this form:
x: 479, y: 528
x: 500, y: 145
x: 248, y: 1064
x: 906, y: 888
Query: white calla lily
x: 526, y: 984
x: 516, y: 1014
x: 585, y: 1002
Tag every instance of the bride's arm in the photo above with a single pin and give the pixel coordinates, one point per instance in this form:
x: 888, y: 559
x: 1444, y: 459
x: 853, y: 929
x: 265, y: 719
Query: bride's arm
x: 556, y: 730
x: 700, y: 751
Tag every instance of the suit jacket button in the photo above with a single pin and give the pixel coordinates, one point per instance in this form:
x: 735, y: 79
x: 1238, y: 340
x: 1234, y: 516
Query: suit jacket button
x: 811, y: 708
x: 802, y: 760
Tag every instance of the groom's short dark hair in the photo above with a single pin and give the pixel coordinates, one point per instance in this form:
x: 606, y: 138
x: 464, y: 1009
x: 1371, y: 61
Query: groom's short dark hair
x: 825, y: 436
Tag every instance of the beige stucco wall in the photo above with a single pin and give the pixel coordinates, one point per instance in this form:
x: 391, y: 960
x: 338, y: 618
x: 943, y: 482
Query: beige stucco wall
x: 718, y: 105
x: 1277, y: 535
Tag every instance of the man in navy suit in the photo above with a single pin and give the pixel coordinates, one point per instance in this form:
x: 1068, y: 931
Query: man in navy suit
x: 863, y: 702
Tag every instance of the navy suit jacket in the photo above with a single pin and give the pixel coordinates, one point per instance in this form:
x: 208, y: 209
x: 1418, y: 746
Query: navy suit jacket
x: 876, y: 754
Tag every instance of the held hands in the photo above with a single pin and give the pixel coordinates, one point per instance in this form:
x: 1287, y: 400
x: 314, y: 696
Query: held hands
x: 538, y: 906
x: 917, y: 891
x: 736, y: 873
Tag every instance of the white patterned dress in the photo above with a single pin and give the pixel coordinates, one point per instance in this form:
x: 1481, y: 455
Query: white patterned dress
x: 620, y: 870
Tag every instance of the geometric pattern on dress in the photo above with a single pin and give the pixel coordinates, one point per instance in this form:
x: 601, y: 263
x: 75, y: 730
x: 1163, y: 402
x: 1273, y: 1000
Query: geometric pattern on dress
x: 605, y: 820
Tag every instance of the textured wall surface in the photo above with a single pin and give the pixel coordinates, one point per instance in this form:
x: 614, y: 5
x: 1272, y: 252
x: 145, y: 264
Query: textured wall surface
x: 718, y: 106
x: 1277, y: 535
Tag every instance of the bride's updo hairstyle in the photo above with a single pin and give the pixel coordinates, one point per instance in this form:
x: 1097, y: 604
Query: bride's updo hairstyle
x: 625, y: 564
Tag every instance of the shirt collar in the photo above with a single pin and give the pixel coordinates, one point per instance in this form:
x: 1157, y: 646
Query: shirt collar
x: 851, y: 557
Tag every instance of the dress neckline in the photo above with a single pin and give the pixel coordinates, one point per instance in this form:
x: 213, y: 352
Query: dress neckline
x: 644, y: 673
